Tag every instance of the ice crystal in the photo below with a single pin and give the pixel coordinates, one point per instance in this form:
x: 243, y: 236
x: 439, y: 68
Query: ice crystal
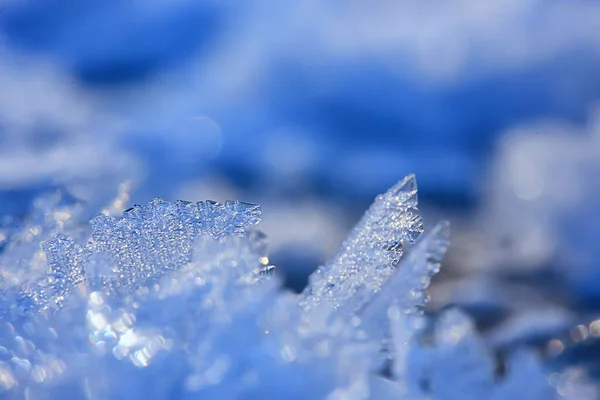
x: 171, y: 300
x: 23, y: 258
x: 406, y: 289
x: 150, y: 240
x: 371, y: 252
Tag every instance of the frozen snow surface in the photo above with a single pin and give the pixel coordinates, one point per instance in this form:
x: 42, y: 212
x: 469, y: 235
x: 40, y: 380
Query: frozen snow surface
x: 179, y: 300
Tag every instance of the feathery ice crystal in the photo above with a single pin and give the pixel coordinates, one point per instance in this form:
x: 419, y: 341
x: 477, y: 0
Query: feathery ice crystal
x: 177, y: 300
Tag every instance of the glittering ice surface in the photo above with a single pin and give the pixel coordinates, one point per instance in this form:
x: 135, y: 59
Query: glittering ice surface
x: 371, y: 252
x: 179, y: 300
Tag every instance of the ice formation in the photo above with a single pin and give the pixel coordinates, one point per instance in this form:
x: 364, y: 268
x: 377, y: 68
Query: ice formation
x: 178, y: 300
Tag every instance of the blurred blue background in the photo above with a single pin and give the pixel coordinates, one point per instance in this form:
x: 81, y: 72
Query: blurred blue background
x: 311, y: 109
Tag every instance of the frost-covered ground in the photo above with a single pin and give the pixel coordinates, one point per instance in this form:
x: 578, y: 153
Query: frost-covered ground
x: 310, y: 109
x: 178, y: 300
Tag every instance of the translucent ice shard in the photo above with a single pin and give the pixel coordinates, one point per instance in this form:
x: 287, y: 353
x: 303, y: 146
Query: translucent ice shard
x: 370, y: 254
x: 126, y: 252
x: 406, y: 288
x: 150, y: 240
x: 393, y: 316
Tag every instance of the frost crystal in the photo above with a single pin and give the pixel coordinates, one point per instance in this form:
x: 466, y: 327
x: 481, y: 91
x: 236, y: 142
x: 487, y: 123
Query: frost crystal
x: 406, y: 289
x: 150, y: 240
x: 371, y: 252
x: 172, y: 300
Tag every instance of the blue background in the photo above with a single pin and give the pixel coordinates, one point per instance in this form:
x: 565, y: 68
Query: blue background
x: 314, y: 108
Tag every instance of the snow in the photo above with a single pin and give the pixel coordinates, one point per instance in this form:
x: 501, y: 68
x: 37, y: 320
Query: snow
x: 179, y: 300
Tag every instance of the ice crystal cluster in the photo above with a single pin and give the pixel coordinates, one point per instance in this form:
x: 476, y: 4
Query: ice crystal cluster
x: 178, y: 300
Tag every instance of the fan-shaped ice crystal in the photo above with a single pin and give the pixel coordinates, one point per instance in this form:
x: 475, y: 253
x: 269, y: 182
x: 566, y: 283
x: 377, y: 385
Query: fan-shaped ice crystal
x: 149, y: 240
